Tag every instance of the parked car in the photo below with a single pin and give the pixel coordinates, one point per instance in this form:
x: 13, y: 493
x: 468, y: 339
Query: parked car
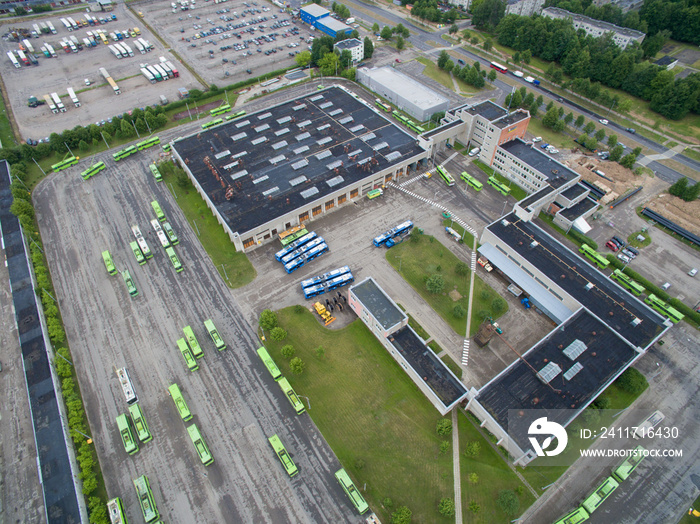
x: 633, y: 250
x: 629, y: 253
x: 665, y: 286
x: 624, y: 258
x: 618, y: 241
x: 693, y: 272
x: 537, y: 139
x: 612, y: 245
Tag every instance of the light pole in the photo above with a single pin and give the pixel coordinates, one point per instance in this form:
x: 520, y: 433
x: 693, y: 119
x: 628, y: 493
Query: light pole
x: 504, y: 208
x: 613, y: 105
x: 307, y: 400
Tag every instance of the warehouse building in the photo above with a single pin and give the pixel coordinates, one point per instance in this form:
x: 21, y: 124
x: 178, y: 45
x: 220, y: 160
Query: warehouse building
x: 288, y: 164
x: 311, y: 13
x: 404, y: 92
x: 390, y: 325
x: 332, y: 27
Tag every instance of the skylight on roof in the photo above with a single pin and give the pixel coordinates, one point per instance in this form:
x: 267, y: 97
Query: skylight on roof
x: 264, y: 116
x: 270, y: 191
x: 303, y: 136
x: 262, y: 128
x: 357, y: 128
x: 284, y: 120
x: 242, y: 124
x: 380, y: 145
x: 575, y: 349
x: 239, y: 136
x: 335, y: 181
x: 326, y: 105
x: 368, y: 136
x: 298, y: 165
x: 261, y: 179
x: 221, y: 155
x: 303, y: 124
x: 323, y: 154
x: 324, y: 140
x: 573, y: 371
x: 298, y: 180
x: 394, y: 155
x: 279, y: 145
x: 298, y: 107
x: 314, y: 98
x: 335, y: 164
x: 277, y: 159
x: 300, y: 150
x: 356, y: 152
x: 259, y: 140
x: 335, y: 112
x: 549, y: 372
x: 282, y: 131
x: 308, y: 193
x: 239, y: 174
x: 346, y: 120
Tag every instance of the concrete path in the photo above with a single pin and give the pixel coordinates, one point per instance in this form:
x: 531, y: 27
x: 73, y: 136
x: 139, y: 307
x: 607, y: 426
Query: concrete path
x: 455, y: 465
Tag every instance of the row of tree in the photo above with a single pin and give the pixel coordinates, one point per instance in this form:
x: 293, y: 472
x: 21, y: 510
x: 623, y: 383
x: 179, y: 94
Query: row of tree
x: 472, y: 75
x: 681, y: 189
x: 583, y: 57
x: 78, y: 426
x: 430, y: 10
x: 341, y: 10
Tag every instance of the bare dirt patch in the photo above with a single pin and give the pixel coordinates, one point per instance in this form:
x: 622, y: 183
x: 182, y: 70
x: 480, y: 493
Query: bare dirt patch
x: 685, y: 214
x: 455, y: 295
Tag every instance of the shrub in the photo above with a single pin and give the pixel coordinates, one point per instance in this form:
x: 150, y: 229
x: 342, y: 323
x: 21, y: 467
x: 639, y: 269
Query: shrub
x: 268, y: 320
x: 444, y: 427
x: 288, y: 351
x: 459, y: 311
x: 461, y: 269
x: 508, y: 502
x: 444, y: 446
x: 359, y: 463
x: 446, y: 507
x: 474, y: 507
x: 472, y: 449
x: 632, y: 381
x: 402, y: 515
x: 297, y: 366
x: 435, y: 284
x: 387, y: 503
x: 498, y: 305
x: 473, y: 478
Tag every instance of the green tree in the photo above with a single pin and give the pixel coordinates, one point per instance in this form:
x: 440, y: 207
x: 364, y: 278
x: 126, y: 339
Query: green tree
x: 534, y: 108
x: 579, y: 121
x: 550, y: 118
x: 400, y: 43
x: 127, y: 131
x: 442, y: 60
x: 346, y: 58
x: 446, y: 507
x: 508, y: 502
x: 268, y: 319
x: 462, y: 269
x: 453, y: 29
x: 487, y: 45
x: 304, y: 58
x: 628, y: 161
x: 21, y: 208
x: 369, y: 47
x: 498, y: 305
x: 320, y: 352
x: 474, y: 507
x: 473, y: 478
x: 488, y: 13
x: 492, y: 75
x: 459, y: 311
x: 278, y: 334
x: 386, y: 33
x: 402, y: 515
x: 612, y: 141
x: 691, y: 193
x: 83, y: 146
x: 288, y: 351
x: 616, y: 153
x: 435, y: 284
x: 375, y: 27
x: 444, y: 447
x: 296, y: 365
x: 600, y: 135
x: 589, y: 128
x: 328, y: 64
x: 444, y: 427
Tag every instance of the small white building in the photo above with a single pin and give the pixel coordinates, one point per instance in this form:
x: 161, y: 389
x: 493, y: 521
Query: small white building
x: 354, y: 45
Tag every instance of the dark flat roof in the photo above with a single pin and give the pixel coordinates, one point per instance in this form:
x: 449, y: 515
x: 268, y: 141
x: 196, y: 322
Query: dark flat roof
x: 262, y: 155
x: 348, y: 43
x: 557, y: 174
x: 612, y: 304
x: 488, y: 110
x: 535, y: 197
x: 510, y: 119
x: 574, y: 191
x: 575, y: 211
x: 520, y: 388
x: 376, y: 301
x: 433, y: 370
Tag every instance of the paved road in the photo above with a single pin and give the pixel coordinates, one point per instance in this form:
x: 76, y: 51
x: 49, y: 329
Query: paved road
x: 235, y: 402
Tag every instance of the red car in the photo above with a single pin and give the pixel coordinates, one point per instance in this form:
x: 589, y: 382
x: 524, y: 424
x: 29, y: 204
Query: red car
x: 612, y: 245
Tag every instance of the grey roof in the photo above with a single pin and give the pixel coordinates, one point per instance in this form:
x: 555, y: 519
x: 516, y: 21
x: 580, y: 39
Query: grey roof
x: 378, y: 303
x: 557, y: 174
x: 488, y: 110
x: 614, y: 305
x: 511, y: 118
x: 405, y: 86
x: 535, y: 197
x: 333, y: 24
x: 574, y: 191
x: 578, y: 209
x: 348, y: 43
x: 261, y: 176
x: 315, y: 10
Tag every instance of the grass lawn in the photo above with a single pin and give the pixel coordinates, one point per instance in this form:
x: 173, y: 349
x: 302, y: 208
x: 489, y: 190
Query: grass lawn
x: 516, y: 191
x: 234, y: 267
x: 467, y: 237
x: 384, y: 435
x: 433, y: 71
x: 493, y: 475
x: 422, y: 259
x: 689, y: 519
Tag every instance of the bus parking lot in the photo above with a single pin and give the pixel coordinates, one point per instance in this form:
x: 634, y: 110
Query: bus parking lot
x: 236, y: 403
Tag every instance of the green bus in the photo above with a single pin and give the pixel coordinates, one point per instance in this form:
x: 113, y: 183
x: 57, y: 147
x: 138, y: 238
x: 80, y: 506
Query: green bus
x: 501, y: 188
x: 291, y: 396
x: 146, y: 501
x: 593, y: 256
x: 627, y: 466
x: 64, y: 164
x: 220, y: 110
x: 471, y: 181
x: 285, y: 458
x: 130, y: 286
x: 155, y: 172
x: 158, y: 211
x: 214, y: 334
x: 374, y: 193
x: 634, y: 287
x: 187, y: 354
x: 665, y: 309
x: 235, y: 115
x: 180, y: 403
x: 93, y: 170
x: 153, y: 141
x: 269, y: 363
x: 288, y: 239
x: 200, y: 445
x: 599, y: 495
x: 140, y: 424
x: 213, y: 123
x: 351, y: 491
x: 174, y: 259
x: 130, y: 445
x: 115, y: 509
x: 192, y: 342
x: 137, y: 253
x: 167, y: 147
x: 171, y: 234
x: 124, y: 153
x: 109, y: 263
x: 415, y: 127
x: 381, y: 105
x: 577, y: 516
x: 446, y: 176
